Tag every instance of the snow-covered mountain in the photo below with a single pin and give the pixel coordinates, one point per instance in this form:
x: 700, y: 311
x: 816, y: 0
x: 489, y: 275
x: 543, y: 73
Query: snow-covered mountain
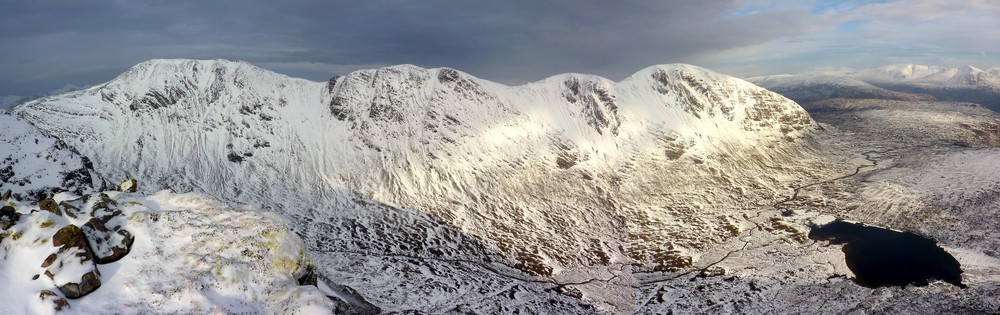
x: 893, y: 82
x: 576, y: 181
x: 814, y: 87
x: 676, y: 190
x: 967, y: 76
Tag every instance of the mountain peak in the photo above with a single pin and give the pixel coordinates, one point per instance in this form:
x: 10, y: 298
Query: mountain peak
x: 187, y: 67
x: 675, y: 68
x: 178, y: 62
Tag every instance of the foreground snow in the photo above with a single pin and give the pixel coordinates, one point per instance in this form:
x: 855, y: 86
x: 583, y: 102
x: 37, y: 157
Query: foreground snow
x: 192, y: 254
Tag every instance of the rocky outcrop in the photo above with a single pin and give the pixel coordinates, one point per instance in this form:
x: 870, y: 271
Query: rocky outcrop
x: 105, y: 225
x: 76, y: 251
x: 72, y: 266
x: 195, y: 246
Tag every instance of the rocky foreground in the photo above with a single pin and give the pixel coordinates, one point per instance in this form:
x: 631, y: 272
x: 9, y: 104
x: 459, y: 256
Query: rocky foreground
x: 164, y: 252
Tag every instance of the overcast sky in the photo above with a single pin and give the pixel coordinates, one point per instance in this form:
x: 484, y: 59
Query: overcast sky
x: 48, y: 44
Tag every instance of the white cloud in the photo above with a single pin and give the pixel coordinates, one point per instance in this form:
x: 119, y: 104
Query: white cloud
x: 947, y: 33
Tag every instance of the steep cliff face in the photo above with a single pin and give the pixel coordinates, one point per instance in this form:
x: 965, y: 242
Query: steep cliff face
x: 570, y: 180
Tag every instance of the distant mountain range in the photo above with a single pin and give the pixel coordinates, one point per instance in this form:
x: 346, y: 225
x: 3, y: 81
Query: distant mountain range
x: 895, y: 82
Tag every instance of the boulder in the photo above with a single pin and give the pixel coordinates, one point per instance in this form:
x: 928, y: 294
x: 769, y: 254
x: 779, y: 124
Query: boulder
x: 49, y: 205
x: 108, y: 238
x: 8, y: 217
x: 72, y: 266
x: 50, y: 298
x: 5, y: 196
x: 129, y: 185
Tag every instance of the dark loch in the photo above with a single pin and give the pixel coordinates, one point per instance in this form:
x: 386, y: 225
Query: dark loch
x: 882, y: 257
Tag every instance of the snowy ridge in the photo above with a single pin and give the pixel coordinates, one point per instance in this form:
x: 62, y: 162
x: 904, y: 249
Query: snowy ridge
x: 533, y: 173
x: 35, y: 165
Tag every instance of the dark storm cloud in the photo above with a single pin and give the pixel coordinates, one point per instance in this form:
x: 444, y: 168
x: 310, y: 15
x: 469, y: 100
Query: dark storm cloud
x: 47, y: 44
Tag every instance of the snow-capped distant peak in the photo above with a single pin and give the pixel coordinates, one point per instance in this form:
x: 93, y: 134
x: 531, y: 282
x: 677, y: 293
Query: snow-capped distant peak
x: 812, y: 87
x: 914, y: 73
